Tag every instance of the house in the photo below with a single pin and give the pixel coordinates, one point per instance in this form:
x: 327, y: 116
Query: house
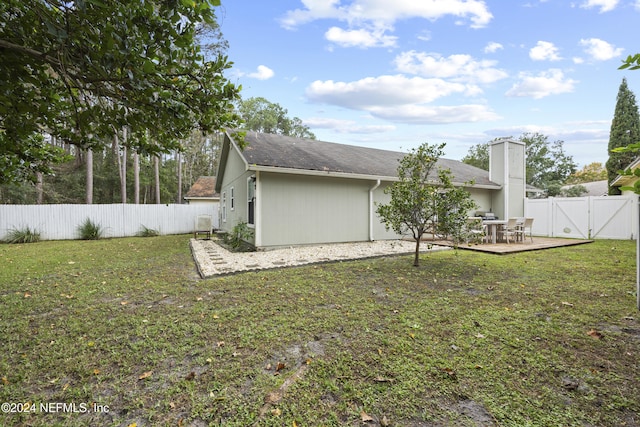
x: 293, y: 191
x: 594, y: 188
x: 203, y: 191
x: 627, y: 180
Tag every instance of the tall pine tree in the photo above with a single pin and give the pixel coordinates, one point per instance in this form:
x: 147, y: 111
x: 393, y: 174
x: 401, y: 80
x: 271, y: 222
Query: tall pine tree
x: 625, y: 130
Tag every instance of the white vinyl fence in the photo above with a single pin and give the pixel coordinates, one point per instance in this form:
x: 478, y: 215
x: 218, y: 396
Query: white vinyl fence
x: 60, y: 222
x: 602, y: 217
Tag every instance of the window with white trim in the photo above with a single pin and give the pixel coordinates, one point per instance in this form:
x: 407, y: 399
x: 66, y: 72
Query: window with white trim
x: 223, y: 206
x: 251, y: 201
x: 232, y: 200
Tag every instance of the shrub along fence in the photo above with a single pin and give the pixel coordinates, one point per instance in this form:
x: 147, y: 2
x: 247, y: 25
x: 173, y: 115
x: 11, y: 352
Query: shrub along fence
x: 60, y: 222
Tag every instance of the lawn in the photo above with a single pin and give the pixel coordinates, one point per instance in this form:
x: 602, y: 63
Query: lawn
x: 123, y: 332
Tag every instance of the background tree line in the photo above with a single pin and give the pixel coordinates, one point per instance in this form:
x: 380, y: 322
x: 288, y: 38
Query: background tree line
x: 116, y: 102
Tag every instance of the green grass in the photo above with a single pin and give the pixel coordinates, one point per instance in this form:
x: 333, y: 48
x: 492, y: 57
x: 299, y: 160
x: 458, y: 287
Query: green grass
x: 545, y: 338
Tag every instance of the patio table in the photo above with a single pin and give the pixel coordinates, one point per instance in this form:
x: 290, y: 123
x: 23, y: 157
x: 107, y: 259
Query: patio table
x: 493, y: 225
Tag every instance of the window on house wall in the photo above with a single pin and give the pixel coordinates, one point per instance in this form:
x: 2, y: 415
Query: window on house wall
x: 251, y: 201
x: 223, y: 206
x: 232, y: 199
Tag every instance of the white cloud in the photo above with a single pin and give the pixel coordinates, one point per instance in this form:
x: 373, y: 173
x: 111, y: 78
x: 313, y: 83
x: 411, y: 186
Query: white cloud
x: 544, y: 51
x: 426, y: 114
x: 383, y: 90
x: 360, y: 38
x: 546, y: 83
x: 262, y: 73
x: 493, y: 47
x: 604, y: 5
x: 378, y: 11
x: 600, y: 50
x: 400, y: 99
x: 463, y: 68
x: 346, y: 126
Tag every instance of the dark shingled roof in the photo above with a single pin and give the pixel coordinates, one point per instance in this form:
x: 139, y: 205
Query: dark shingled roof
x: 311, y: 155
x: 205, y: 186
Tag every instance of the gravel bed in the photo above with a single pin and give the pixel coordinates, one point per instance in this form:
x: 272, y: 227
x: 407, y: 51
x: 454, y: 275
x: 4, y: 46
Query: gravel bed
x: 212, y: 259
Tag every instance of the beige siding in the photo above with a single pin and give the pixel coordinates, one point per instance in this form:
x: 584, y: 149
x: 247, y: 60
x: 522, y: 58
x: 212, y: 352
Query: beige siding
x: 379, y: 198
x: 482, y: 198
x: 299, y: 209
x: 235, y: 176
x: 516, y: 180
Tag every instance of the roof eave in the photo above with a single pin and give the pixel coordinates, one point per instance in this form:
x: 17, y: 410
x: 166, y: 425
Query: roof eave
x: 309, y: 172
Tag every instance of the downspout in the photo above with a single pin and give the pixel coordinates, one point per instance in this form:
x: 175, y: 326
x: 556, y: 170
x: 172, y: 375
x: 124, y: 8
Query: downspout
x: 371, y: 190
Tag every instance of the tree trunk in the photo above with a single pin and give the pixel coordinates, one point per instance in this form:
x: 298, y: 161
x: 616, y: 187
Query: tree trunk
x: 416, y: 259
x: 123, y: 174
x: 121, y: 163
x: 89, y: 181
x: 179, y: 158
x: 39, y: 192
x: 136, y: 178
x: 156, y: 173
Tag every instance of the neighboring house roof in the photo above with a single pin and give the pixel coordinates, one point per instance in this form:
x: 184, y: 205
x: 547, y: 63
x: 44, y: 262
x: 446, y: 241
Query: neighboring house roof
x: 203, y: 188
x: 269, y: 152
x: 595, y: 188
x: 627, y: 180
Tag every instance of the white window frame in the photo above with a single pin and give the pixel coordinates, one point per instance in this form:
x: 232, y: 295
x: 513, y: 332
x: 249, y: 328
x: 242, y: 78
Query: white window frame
x: 255, y: 184
x: 223, y: 206
x: 232, y: 199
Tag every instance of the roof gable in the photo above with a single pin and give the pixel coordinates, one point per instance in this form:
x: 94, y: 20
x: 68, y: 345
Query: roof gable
x: 289, y: 153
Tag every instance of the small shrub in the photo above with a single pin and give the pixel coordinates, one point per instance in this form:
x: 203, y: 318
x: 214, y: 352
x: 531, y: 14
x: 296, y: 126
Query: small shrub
x: 23, y: 235
x: 238, y: 236
x: 89, y: 230
x: 147, y: 232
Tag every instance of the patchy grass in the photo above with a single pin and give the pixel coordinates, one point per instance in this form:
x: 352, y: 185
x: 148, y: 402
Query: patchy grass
x: 541, y: 338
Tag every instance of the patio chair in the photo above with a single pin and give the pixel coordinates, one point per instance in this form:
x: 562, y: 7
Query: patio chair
x: 522, y: 229
x: 204, y: 225
x: 509, y: 229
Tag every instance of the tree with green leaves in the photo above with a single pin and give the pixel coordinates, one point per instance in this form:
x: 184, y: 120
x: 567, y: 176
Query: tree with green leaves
x: 78, y: 70
x: 594, y: 171
x: 547, y: 164
x: 261, y: 115
x: 423, y: 196
x: 625, y: 130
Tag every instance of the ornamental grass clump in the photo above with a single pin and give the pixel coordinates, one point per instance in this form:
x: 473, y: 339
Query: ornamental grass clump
x: 23, y: 235
x: 89, y: 230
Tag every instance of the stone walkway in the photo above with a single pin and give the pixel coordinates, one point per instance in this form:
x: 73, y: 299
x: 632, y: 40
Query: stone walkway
x: 212, y: 259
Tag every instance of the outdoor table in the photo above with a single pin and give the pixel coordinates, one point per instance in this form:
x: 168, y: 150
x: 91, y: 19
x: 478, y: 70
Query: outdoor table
x: 493, y: 225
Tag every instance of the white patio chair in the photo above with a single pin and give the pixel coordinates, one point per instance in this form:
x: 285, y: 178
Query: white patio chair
x: 509, y: 229
x: 204, y: 225
x: 522, y: 229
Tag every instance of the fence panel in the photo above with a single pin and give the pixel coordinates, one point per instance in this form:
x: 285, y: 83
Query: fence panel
x: 612, y: 217
x: 60, y: 222
x: 604, y: 217
x: 571, y: 217
x: 541, y: 211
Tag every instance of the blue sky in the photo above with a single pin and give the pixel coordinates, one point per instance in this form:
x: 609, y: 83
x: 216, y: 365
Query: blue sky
x: 395, y: 74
